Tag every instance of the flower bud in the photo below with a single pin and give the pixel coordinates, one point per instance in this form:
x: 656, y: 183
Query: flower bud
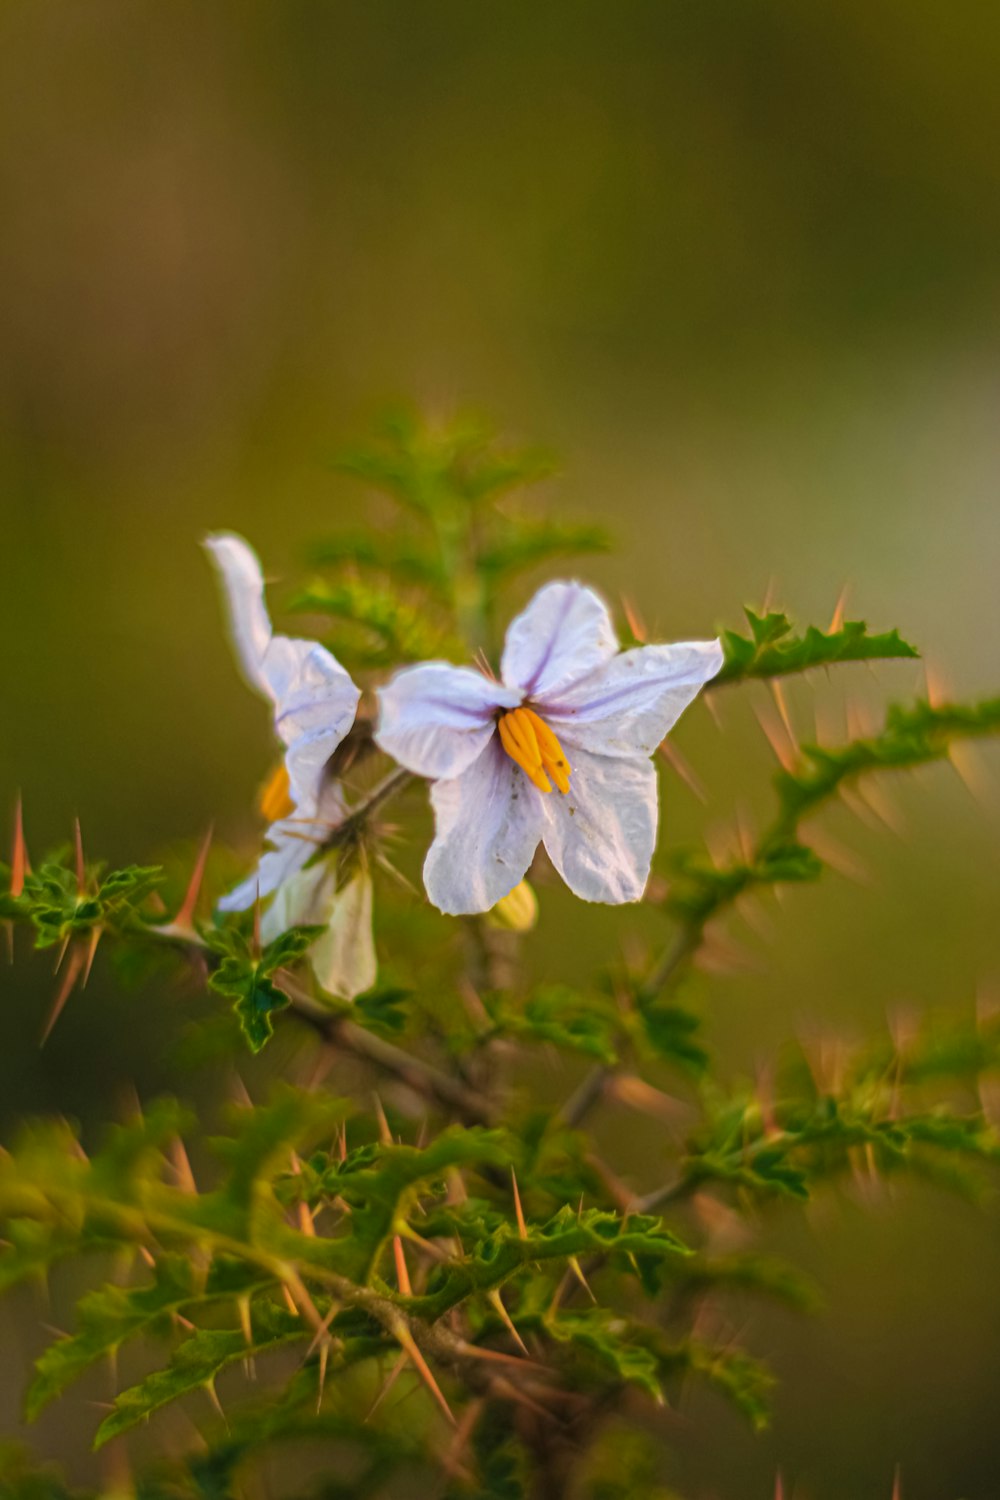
x: 517, y: 911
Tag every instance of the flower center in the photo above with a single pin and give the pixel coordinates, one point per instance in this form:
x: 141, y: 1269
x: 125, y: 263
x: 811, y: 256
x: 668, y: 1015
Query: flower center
x: 275, y: 800
x: 530, y: 743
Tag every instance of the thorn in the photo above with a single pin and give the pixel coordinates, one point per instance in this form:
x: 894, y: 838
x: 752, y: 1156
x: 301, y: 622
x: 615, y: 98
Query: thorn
x: 897, y: 1485
x: 402, y: 1270
x: 342, y: 1142
x: 324, y: 1357
x: 323, y: 1329
x: 243, y: 1303
x: 577, y: 1270
x: 779, y: 1488
x: 182, y: 1166
x: 482, y: 661
x: 385, y: 1134
x: 305, y: 1216
x: 522, y: 1227
x: 937, y: 692
x: 478, y: 1351
x: 19, y: 865
x: 70, y: 976
x: 303, y: 1303
x: 965, y: 759
x: 710, y: 701
x: 778, y: 694
x: 213, y: 1396
x: 639, y: 1095
x: 289, y: 1301
x: 766, y: 604
x: 503, y: 1388
x: 776, y: 738
x: 95, y: 938
x: 833, y: 853
x: 256, y: 923
x: 409, y: 1343
x: 240, y: 1091
x: 81, y: 878
x: 836, y: 624
x: 62, y: 953
x: 496, y: 1301
x: 677, y: 763
x: 184, y: 920
x: 634, y: 621
x: 393, y: 1376
x: 882, y: 805
x: 463, y: 1432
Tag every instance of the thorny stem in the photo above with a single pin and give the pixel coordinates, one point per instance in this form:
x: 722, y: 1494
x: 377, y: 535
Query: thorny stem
x: 433, y: 1083
x: 389, y: 787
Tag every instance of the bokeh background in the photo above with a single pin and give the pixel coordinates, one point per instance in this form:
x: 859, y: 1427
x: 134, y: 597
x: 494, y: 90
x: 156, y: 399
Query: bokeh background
x: 738, y: 265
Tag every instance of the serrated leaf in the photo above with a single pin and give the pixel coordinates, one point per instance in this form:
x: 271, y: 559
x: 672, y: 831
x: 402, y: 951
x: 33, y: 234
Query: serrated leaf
x: 611, y: 1339
x: 196, y: 1363
x: 771, y: 650
x: 672, y: 1033
x: 526, y: 542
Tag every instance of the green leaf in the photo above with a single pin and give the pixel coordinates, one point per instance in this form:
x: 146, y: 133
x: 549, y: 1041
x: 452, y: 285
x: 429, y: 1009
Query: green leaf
x: 246, y: 978
x: 383, y: 1009
x: 527, y: 542
x: 560, y: 1015
x: 566, y: 1234
x: 612, y: 1341
x: 197, y: 1362
x: 671, y: 1032
x: 106, y: 1318
x: 384, y: 629
x: 771, y: 650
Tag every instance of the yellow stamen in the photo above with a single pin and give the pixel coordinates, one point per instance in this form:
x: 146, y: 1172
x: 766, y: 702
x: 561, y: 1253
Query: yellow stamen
x: 518, y: 752
x: 275, y: 801
x: 553, y: 757
x: 530, y: 743
x: 526, y: 733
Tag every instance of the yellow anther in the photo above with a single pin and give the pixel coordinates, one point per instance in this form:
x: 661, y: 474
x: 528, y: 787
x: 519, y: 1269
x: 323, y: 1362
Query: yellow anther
x: 530, y: 743
x: 553, y: 756
x: 526, y: 730
x: 275, y: 801
x: 517, y: 749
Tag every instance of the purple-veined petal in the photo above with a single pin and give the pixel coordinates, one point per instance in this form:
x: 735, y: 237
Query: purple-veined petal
x: 629, y: 704
x: 437, y: 719
x: 564, y: 633
x: 314, y: 699
x: 600, y: 836
x: 488, y: 822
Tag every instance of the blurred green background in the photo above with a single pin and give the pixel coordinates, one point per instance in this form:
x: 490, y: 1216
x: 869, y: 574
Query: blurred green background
x: 738, y: 264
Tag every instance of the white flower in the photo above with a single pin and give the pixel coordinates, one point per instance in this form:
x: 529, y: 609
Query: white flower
x: 314, y: 703
x: 557, y: 752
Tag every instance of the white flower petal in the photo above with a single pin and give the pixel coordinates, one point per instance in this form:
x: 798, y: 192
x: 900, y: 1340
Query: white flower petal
x: 600, y: 836
x: 294, y: 840
x: 488, y: 822
x: 314, y: 699
x: 343, y: 957
x: 436, y: 719
x: 564, y: 633
x: 304, y: 899
x: 628, y: 705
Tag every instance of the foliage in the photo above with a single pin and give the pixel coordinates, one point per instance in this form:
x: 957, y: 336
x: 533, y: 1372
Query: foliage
x: 460, y: 1241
